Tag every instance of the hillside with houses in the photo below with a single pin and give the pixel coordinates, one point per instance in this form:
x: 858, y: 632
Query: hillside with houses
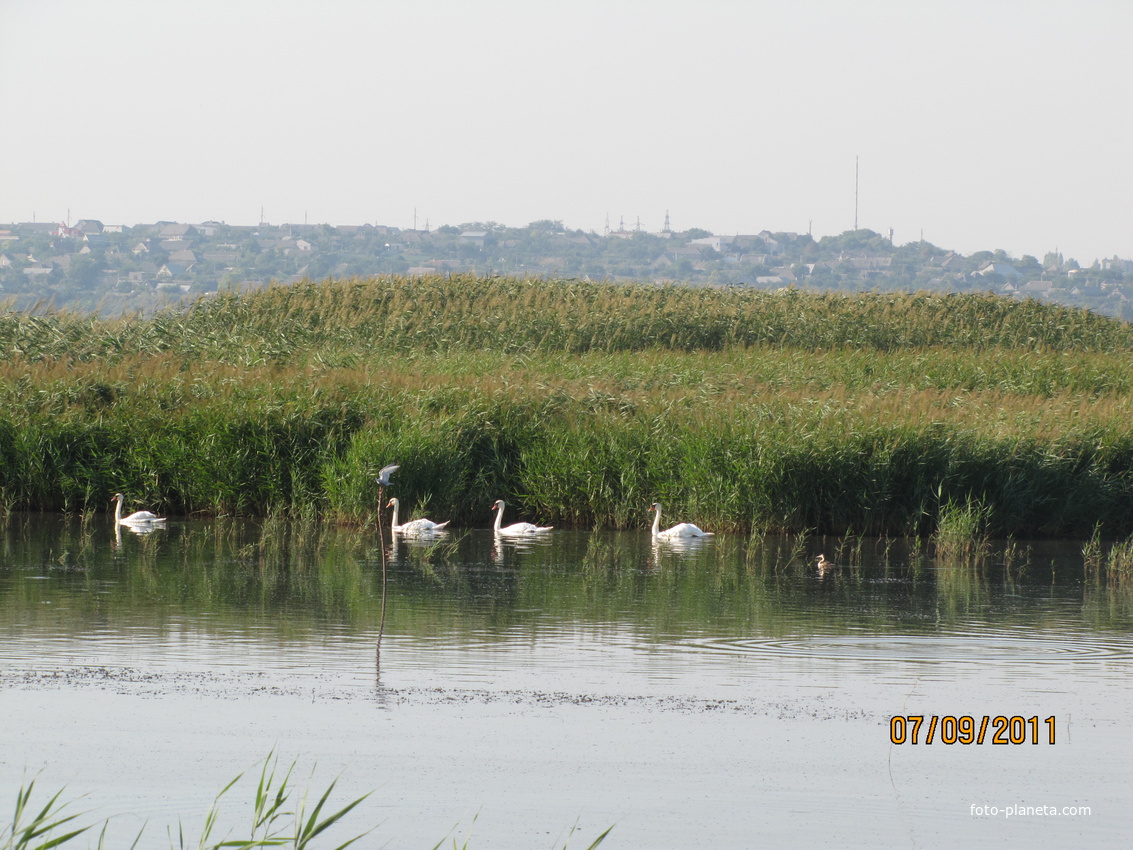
x: 110, y: 268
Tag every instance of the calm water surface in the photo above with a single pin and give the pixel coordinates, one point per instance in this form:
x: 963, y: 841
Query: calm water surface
x: 720, y: 696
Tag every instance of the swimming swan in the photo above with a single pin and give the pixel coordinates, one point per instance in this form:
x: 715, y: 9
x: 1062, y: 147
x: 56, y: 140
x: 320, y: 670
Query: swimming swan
x: 682, y: 529
x: 519, y: 529
x: 414, y: 526
x: 136, y: 518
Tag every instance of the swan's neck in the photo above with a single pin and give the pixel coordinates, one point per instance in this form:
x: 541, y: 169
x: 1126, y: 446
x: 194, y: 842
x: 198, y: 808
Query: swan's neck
x: 117, y: 511
x: 656, y: 521
x: 393, y: 524
x: 499, y: 517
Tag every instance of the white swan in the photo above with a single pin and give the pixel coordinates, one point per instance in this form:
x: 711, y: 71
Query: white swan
x: 681, y: 529
x: 414, y: 526
x: 823, y: 564
x: 518, y: 529
x: 138, y: 518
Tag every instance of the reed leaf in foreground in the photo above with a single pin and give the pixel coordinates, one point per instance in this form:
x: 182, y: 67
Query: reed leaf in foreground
x: 34, y: 831
x: 273, y: 824
x: 570, y: 832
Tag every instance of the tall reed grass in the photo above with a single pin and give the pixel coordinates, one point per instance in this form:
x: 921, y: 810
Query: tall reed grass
x: 581, y: 402
x: 961, y: 539
x: 281, y: 817
x: 1110, y: 565
x: 466, y: 312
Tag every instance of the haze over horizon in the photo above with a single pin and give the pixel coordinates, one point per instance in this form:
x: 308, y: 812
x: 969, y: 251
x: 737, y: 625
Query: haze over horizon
x: 998, y: 124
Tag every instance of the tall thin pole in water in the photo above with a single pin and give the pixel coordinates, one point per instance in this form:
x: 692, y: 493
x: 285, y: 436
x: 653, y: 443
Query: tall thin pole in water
x: 383, y: 480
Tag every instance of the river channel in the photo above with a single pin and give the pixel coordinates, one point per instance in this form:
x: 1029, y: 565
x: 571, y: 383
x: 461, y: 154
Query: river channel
x: 724, y: 695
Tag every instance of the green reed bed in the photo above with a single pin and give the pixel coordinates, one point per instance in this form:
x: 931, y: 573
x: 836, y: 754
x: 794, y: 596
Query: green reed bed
x: 781, y: 462
x: 509, y: 314
x: 1109, y: 563
x: 961, y: 540
x: 579, y: 403
x: 527, y: 315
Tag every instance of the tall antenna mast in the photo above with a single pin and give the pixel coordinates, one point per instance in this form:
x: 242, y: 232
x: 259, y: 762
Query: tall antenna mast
x: 666, y: 230
x: 855, y: 193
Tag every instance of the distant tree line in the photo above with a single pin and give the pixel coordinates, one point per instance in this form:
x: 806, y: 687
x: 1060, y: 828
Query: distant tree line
x: 90, y: 266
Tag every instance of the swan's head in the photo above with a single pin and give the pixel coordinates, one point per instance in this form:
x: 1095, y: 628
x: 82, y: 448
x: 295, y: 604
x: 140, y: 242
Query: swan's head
x: 499, y: 503
x: 656, y: 506
x: 392, y: 503
x: 118, y: 497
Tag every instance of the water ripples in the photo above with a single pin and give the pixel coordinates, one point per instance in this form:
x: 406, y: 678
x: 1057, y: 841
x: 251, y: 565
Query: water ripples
x: 553, y: 645
x: 984, y: 648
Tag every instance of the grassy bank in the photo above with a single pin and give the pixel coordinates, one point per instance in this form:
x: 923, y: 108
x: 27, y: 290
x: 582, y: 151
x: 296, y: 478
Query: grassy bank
x: 580, y: 404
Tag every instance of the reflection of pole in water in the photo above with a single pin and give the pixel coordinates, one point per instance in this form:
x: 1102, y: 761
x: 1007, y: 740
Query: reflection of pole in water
x: 383, y: 481
x: 379, y: 692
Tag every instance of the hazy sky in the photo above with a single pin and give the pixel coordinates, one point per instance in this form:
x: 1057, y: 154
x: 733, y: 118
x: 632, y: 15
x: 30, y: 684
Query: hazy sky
x: 983, y: 125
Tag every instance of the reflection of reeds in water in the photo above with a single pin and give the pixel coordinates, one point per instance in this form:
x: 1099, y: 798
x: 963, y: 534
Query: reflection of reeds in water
x: 848, y: 553
x: 290, y: 580
x: 788, y: 552
x: 960, y: 548
x: 1015, y: 560
x: 605, y: 557
x: 959, y: 588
